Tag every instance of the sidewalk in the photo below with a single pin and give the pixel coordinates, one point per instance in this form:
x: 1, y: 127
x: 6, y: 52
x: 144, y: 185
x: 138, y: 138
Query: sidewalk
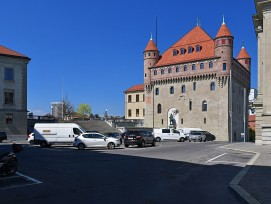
x: 253, y: 183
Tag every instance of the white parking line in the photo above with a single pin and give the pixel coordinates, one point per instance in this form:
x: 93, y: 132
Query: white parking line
x: 29, y: 178
x: 215, y: 157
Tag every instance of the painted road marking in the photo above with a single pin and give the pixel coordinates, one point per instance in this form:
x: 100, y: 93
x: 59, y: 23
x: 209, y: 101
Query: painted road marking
x: 215, y: 157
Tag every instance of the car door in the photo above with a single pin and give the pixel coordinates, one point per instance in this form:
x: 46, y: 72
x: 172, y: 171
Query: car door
x: 99, y: 139
x: 166, y: 134
x: 175, y: 134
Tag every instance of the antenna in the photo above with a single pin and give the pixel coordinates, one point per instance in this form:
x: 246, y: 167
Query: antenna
x: 156, y: 38
x: 223, y: 21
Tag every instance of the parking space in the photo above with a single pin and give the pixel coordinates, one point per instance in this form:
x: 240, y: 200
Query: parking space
x: 18, y: 180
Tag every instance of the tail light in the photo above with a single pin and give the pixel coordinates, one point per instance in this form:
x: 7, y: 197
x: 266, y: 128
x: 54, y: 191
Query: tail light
x: 138, y: 137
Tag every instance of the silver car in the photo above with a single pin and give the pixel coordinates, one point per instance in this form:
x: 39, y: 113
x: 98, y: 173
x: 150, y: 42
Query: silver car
x: 95, y: 140
x: 197, y: 136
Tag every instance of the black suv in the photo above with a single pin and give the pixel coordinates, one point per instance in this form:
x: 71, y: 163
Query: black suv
x: 138, y: 137
x: 3, y: 136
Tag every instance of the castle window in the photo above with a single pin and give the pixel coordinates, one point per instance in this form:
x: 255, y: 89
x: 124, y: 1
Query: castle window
x: 193, y: 66
x: 129, y: 113
x: 224, y: 66
x: 212, y: 86
x: 162, y: 71
x: 143, y: 97
x: 190, y: 49
x: 211, y: 64
x: 175, y: 52
x: 183, y: 88
x: 159, y: 108
x: 185, y: 68
x: 137, y: 112
x: 230, y: 41
x: 149, y: 53
x: 177, y: 69
x: 171, y: 90
x: 155, y: 72
x: 246, y: 62
x: 145, y: 74
x: 137, y: 97
x: 9, y: 97
x: 190, y: 104
x: 182, y: 51
x: 223, y: 41
x: 9, y: 74
x: 9, y: 118
x: 143, y: 112
x: 198, y: 48
x: 204, y: 120
x: 157, y: 91
x: 129, y: 98
x: 204, y: 106
x: 202, y: 65
x: 194, y: 86
x: 169, y: 70
x: 217, y: 42
x: 182, y: 121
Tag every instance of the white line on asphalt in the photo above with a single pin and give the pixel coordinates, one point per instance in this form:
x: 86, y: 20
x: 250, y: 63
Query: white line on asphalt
x: 215, y: 157
x: 29, y: 178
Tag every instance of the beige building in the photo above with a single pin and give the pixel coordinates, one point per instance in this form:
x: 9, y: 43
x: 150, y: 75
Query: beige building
x: 135, y: 102
x: 198, y: 83
x: 13, y: 92
x: 262, y: 24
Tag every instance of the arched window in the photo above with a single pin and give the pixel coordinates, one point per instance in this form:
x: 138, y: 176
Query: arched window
x: 155, y: 72
x: 159, y: 108
x: 177, y: 69
x: 185, y: 68
x: 193, y: 66
x: 169, y: 70
x: 204, y: 106
x: 171, y: 90
x: 190, y: 49
x: 175, y: 52
x: 212, y: 86
x: 198, y: 48
x: 162, y: 71
x: 182, y: 51
x: 211, y: 64
x: 157, y: 91
x: 201, y: 65
x: 183, y: 88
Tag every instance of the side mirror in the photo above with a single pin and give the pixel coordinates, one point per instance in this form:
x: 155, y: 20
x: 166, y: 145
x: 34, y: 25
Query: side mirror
x: 105, y: 138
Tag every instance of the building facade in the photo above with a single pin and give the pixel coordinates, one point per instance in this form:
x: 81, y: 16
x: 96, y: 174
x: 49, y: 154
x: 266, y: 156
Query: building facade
x: 262, y: 24
x: 135, y: 103
x: 198, y: 83
x: 13, y: 92
x: 56, y: 109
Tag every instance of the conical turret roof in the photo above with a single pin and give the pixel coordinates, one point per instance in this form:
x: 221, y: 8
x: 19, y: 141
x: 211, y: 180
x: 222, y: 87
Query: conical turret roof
x: 223, y: 31
x: 243, y: 54
x: 151, y: 46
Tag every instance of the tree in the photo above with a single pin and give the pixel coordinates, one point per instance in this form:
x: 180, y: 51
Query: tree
x: 84, y: 110
x: 68, y: 108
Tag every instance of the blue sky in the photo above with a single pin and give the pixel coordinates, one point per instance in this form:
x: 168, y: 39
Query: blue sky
x: 93, y: 50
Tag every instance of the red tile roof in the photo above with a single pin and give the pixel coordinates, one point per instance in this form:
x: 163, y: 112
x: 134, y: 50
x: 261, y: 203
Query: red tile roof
x: 197, y: 36
x: 223, y: 31
x: 135, y: 88
x: 243, y: 54
x: 9, y: 52
x: 151, y: 46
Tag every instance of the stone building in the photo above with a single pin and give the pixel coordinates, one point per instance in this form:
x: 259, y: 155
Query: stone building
x: 135, y: 102
x: 198, y: 83
x: 262, y: 24
x: 13, y: 92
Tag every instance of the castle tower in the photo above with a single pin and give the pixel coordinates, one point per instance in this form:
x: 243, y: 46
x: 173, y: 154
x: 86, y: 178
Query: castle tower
x: 151, y: 56
x: 244, y: 58
x: 224, y: 48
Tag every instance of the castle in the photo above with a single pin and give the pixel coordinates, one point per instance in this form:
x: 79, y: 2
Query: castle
x: 198, y: 83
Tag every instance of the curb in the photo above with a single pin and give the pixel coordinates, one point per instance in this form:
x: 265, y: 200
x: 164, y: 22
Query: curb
x: 234, y: 184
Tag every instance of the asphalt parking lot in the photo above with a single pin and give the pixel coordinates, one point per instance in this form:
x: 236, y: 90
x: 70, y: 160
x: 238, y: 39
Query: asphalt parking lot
x: 169, y: 172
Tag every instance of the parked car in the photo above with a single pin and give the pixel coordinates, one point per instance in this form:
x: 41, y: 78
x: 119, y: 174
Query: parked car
x: 187, y: 131
x: 95, y: 140
x: 139, y: 138
x: 3, y: 136
x: 114, y: 135
x: 31, y: 138
x: 209, y: 136
x: 197, y: 136
x: 161, y: 134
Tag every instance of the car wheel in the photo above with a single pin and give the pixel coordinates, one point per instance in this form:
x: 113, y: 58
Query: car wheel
x: 81, y: 146
x: 11, y: 170
x: 1, y: 141
x: 189, y: 140
x: 111, y: 145
x: 158, y: 139
x: 200, y: 140
x: 43, y: 144
x: 31, y: 142
x: 142, y: 144
x: 153, y: 143
x: 126, y: 145
x: 181, y: 139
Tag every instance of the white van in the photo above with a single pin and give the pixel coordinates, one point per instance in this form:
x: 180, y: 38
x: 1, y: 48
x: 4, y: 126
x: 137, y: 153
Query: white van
x: 161, y: 134
x: 47, y: 134
x: 187, y: 131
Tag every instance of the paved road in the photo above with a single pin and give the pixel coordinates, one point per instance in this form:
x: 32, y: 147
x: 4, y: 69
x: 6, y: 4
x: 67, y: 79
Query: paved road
x: 171, y: 172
